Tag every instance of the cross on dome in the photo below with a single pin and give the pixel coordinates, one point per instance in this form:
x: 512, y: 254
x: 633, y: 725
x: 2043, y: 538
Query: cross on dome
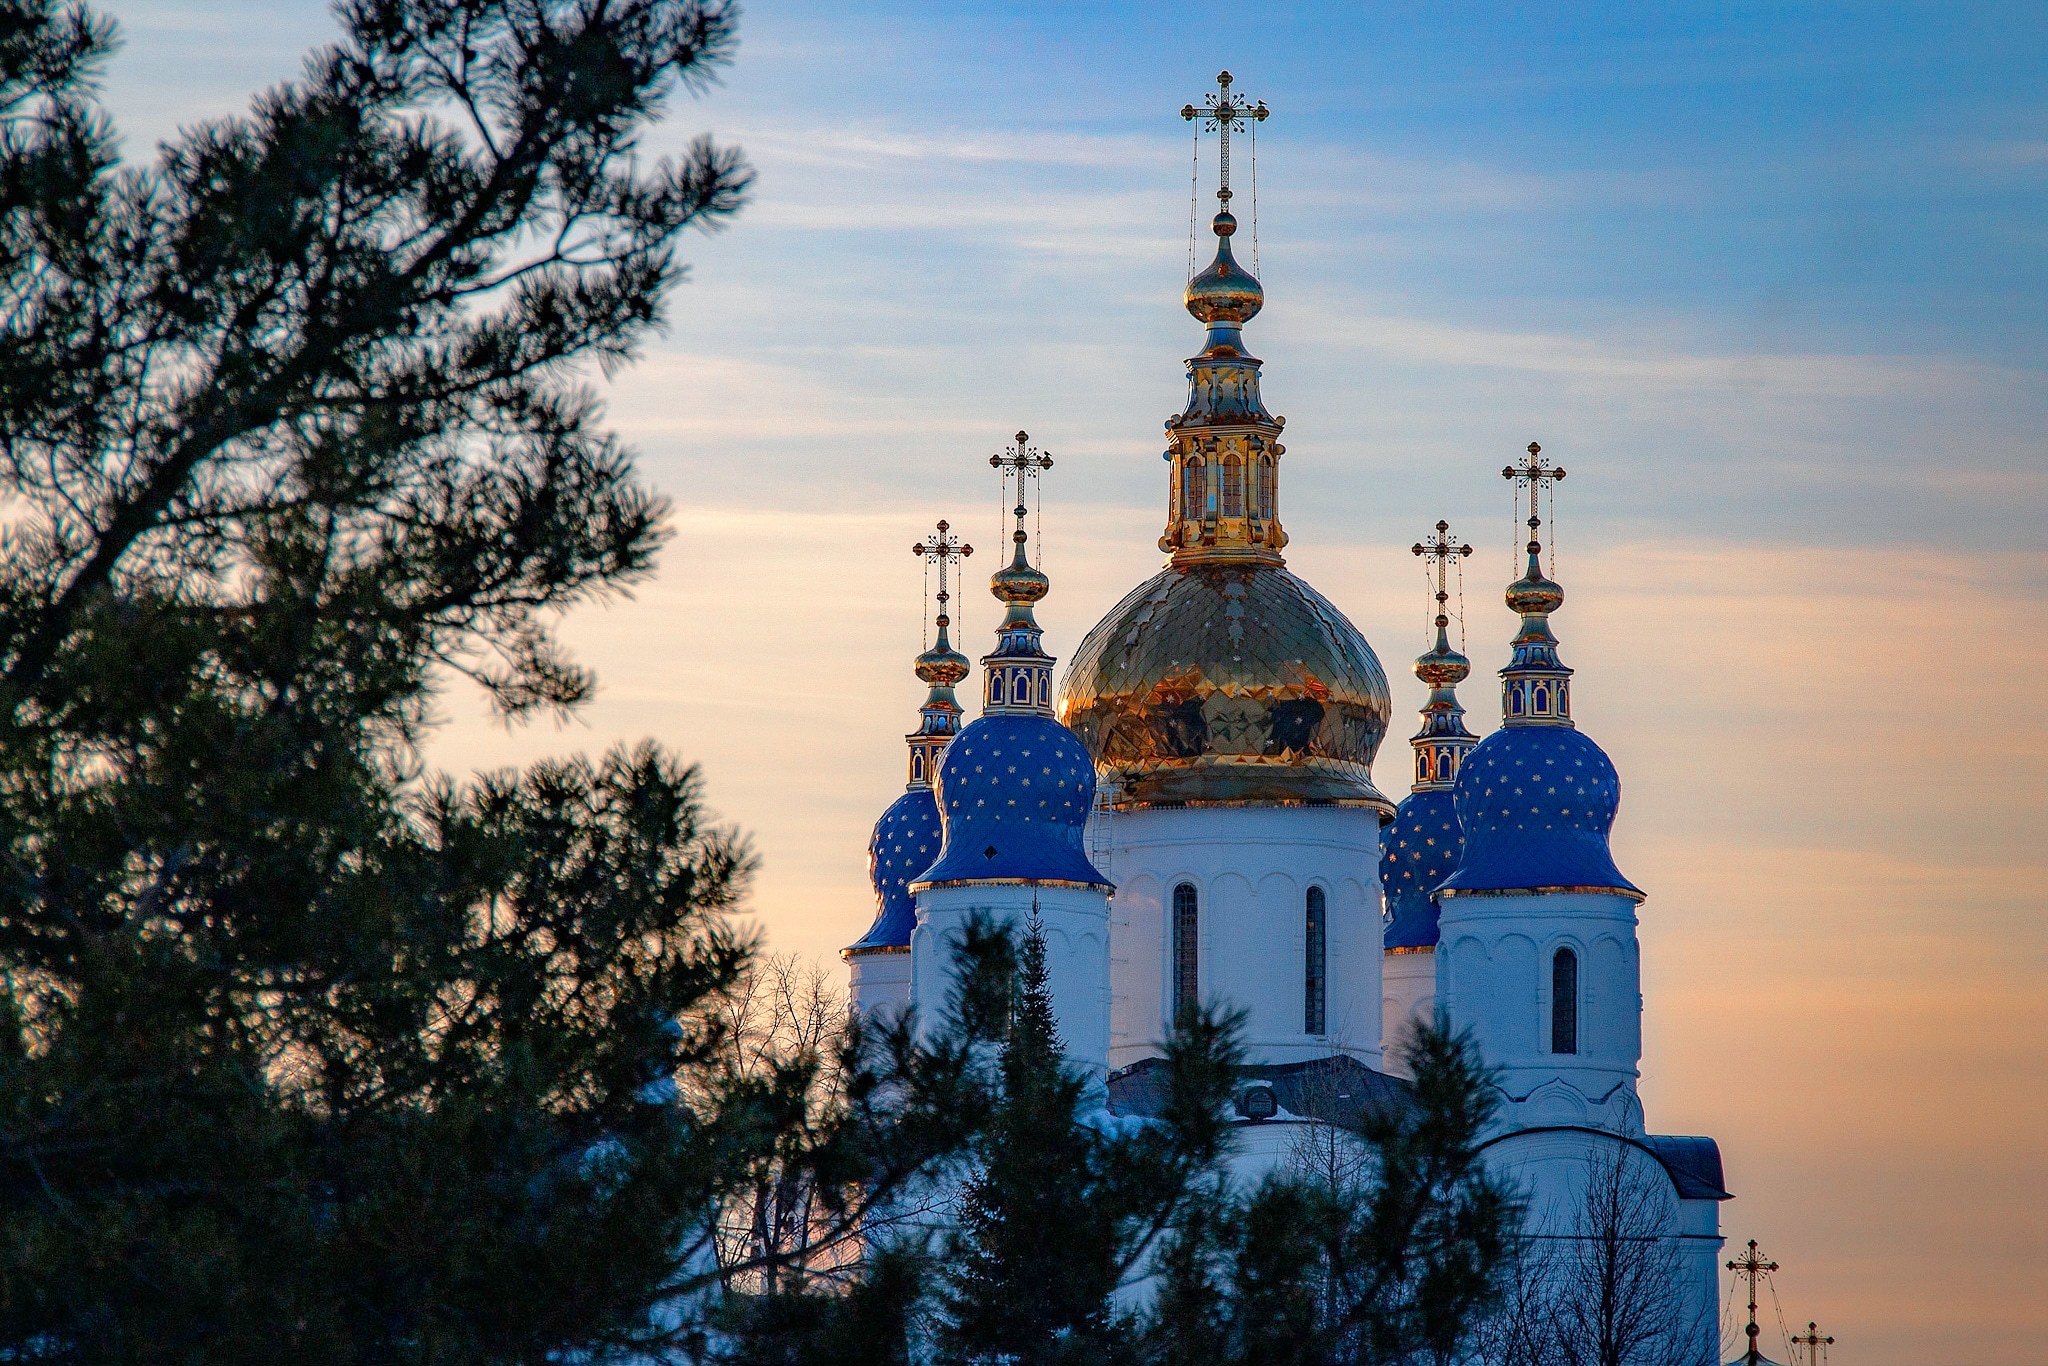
x: 1536, y: 685
x: 1533, y: 473
x: 1223, y: 113
x: 941, y: 666
x: 1439, y: 550
x: 1442, y: 743
x: 1017, y: 677
x: 1816, y: 1344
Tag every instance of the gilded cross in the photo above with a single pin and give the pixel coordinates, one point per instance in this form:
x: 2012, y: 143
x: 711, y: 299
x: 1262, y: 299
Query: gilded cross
x: 1534, y: 471
x: 1815, y: 1343
x: 1225, y: 113
x: 1023, y: 460
x: 1440, y: 550
x: 1750, y: 1265
x: 944, y: 549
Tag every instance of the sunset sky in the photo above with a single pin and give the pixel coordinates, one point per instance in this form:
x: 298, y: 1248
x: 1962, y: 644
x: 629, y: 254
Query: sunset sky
x: 1771, y: 281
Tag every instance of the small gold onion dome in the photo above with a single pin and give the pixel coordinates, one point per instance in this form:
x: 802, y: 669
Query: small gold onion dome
x: 1534, y: 594
x: 1442, y: 667
x: 1017, y: 582
x: 942, y: 666
x: 1227, y: 685
x: 1226, y: 292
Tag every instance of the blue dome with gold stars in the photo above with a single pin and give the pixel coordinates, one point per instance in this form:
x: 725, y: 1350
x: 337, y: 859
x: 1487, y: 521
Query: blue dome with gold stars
x: 906, y: 840
x: 1536, y: 797
x: 1417, y: 852
x: 1537, y: 803
x: 1014, y: 791
x: 1016, y: 786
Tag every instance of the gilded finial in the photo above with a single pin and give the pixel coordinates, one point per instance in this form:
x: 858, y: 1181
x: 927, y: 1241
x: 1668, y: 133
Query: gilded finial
x: 1224, y: 447
x: 1225, y: 296
x: 1442, y: 743
x: 1017, y: 677
x: 1535, y: 685
x: 941, y: 666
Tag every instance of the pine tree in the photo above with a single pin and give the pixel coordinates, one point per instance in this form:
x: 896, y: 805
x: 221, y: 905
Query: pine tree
x: 1059, y: 1210
x: 307, y: 1054
x: 1400, y: 1265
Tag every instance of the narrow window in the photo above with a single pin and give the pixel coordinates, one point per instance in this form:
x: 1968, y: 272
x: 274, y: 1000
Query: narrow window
x: 1268, y: 494
x: 1564, y: 1002
x: 1233, y: 486
x: 1186, y: 965
x: 1316, y: 966
x: 1194, y: 489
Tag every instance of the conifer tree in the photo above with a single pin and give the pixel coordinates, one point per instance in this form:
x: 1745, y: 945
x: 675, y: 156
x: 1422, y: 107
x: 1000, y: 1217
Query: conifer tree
x: 1399, y: 1266
x: 307, y: 1054
x: 1064, y: 1204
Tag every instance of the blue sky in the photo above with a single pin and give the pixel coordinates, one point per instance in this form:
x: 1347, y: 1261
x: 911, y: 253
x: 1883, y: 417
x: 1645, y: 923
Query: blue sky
x: 1769, y: 280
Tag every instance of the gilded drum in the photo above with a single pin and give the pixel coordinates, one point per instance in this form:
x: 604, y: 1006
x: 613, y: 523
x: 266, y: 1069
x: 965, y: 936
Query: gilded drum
x: 1229, y: 683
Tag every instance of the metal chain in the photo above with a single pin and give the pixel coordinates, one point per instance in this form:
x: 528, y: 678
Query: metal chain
x: 1255, y: 196
x: 1461, y: 604
x: 1194, y: 194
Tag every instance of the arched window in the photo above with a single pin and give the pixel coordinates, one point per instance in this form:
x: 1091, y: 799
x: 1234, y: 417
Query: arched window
x: 1315, y: 965
x: 1564, y: 1002
x: 1233, y: 486
x: 1269, y: 492
x: 1194, y: 489
x: 1186, y: 960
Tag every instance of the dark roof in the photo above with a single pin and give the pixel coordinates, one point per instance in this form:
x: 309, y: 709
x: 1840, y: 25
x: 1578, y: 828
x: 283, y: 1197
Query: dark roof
x: 1338, y: 1089
x: 1694, y: 1164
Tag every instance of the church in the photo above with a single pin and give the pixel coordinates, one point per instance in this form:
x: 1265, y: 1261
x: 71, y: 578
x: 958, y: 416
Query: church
x: 1191, y: 813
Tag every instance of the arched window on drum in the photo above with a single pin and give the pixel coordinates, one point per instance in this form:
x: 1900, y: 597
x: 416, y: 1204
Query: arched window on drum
x: 1233, y: 486
x: 1194, y: 489
x: 1269, y: 491
x: 1564, y: 1002
x: 1186, y: 951
x: 1315, y: 964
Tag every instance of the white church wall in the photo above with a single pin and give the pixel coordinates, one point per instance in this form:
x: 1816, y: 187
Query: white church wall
x: 1552, y: 1169
x: 880, y: 981
x: 1408, y: 988
x: 1251, y: 868
x: 1494, y: 976
x: 1076, y: 922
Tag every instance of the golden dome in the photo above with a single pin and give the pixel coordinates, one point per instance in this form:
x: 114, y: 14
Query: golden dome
x: 1229, y: 683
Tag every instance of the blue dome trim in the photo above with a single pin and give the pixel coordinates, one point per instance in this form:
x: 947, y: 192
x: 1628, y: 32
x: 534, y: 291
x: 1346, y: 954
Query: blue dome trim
x: 1418, y: 851
x: 1536, y: 804
x: 906, y: 840
x: 1014, y: 792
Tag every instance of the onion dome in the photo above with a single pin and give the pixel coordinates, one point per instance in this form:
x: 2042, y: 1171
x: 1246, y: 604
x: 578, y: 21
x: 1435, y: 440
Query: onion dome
x: 1537, y: 798
x: 1226, y: 296
x: 1223, y: 684
x: 1015, y: 787
x: 1225, y: 679
x: 907, y: 837
x: 1425, y: 843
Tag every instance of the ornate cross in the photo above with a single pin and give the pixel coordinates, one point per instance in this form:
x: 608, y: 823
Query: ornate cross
x: 1534, y: 471
x: 1225, y: 113
x: 945, y: 550
x: 1440, y: 549
x: 1023, y: 460
x: 1815, y: 1344
x: 1753, y: 1266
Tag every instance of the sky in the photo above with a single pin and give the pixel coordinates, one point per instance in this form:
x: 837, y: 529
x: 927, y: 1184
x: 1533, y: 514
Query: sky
x: 1770, y: 280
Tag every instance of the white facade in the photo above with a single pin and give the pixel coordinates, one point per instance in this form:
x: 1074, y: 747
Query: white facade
x: 880, y: 981
x: 1496, y: 966
x: 1251, y: 870
x: 1408, y: 994
x: 1076, y: 922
